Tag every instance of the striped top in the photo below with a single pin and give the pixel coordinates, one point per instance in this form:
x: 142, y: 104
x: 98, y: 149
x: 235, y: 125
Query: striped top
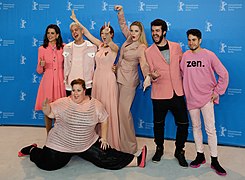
x: 74, y: 128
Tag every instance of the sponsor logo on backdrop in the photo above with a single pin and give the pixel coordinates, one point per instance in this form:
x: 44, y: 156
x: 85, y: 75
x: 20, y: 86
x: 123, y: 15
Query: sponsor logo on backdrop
x: 6, y: 78
x: 37, y: 115
x: 6, y: 6
x: 105, y: 6
x: 22, y: 59
x: 225, y: 132
x: 36, y: 6
x: 140, y: 123
x: 147, y: 7
x: 36, y: 42
x: 168, y: 24
x: 208, y: 26
x: 226, y: 48
x: 22, y: 96
x: 235, y: 5
x: 34, y: 78
x: 22, y: 23
x: 92, y: 24
x: 58, y: 22
x: 71, y: 5
x: 6, y: 115
x: 222, y: 131
x: 234, y: 91
x: 6, y: 42
x: 183, y: 6
x: 144, y: 125
x: 183, y: 46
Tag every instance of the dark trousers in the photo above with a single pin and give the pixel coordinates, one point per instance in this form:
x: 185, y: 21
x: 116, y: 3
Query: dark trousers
x: 49, y: 159
x: 178, y: 108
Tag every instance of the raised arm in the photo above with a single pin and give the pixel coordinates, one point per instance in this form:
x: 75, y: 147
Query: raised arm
x: 93, y: 39
x: 108, y: 40
x: 122, y: 21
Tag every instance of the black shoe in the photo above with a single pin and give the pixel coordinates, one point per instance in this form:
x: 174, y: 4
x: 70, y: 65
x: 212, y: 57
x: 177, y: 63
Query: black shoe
x: 200, y: 159
x: 26, y: 150
x: 216, y: 166
x: 158, y: 154
x: 180, y: 155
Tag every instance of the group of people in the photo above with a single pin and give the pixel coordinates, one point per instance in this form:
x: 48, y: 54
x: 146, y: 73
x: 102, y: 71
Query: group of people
x: 91, y: 106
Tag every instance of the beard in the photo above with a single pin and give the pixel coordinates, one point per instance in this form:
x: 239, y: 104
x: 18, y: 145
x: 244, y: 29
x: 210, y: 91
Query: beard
x: 160, y: 40
x: 194, y: 48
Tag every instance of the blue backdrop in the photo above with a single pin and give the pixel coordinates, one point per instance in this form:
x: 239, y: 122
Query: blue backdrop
x: 23, y: 25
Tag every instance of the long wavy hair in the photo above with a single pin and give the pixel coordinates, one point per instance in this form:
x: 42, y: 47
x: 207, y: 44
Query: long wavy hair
x: 59, y: 41
x: 142, y: 38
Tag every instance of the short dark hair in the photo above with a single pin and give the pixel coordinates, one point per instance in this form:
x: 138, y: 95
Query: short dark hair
x: 160, y: 22
x: 194, y: 32
x: 78, y: 81
x: 111, y: 31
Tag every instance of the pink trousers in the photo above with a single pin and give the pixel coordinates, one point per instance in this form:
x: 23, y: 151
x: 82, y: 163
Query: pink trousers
x: 209, y: 123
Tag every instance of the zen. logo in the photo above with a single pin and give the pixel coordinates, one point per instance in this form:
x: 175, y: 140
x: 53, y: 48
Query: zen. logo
x: 195, y: 64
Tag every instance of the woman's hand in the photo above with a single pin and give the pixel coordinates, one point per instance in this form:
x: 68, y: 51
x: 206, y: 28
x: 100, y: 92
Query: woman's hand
x: 42, y: 62
x: 114, y: 68
x: 118, y: 7
x: 154, y: 75
x: 104, y: 144
x: 107, y: 31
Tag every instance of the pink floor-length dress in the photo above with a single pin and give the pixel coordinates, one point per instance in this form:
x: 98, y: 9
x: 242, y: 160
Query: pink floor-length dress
x: 105, y: 89
x: 52, y: 84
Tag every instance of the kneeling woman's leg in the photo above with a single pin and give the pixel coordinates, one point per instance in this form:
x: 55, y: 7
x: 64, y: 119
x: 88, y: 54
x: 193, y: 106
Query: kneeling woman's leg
x: 111, y: 158
x: 49, y: 159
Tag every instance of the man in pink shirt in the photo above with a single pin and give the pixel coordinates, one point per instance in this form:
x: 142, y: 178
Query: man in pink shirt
x: 202, y: 92
x: 167, y: 91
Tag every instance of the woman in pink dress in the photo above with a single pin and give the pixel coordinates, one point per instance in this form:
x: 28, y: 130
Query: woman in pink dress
x: 51, y: 65
x: 105, y: 87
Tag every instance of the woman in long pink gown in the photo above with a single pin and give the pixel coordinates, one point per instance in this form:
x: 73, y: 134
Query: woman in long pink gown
x: 105, y: 87
x: 51, y: 65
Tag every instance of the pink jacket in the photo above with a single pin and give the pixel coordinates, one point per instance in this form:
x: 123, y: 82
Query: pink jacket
x: 88, y: 59
x: 170, y: 79
x: 131, y: 54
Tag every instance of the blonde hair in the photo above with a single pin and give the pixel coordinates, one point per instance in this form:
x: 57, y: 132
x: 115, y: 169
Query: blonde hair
x: 142, y: 38
x: 75, y: 24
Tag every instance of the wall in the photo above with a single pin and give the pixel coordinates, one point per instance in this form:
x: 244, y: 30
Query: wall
x: 23, y: 25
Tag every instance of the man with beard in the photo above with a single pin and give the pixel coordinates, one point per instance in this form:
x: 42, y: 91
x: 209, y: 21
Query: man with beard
x: 167, y: 93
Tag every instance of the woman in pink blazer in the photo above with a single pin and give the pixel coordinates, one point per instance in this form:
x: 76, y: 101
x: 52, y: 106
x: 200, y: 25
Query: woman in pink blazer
x: 131, y: 55
x: 51, y: 65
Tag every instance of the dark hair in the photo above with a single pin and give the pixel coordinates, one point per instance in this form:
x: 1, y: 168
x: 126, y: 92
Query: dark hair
x: 160, y: 22
x: 111, y: 31
x: 194, y: 32
x: 78, y: 81
x: 59, y: 41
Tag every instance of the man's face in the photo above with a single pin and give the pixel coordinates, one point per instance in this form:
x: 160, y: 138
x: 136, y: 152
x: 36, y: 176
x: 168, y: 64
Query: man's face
x: 157, y: 34
x: 76, y: 32
x: 194, y: 42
